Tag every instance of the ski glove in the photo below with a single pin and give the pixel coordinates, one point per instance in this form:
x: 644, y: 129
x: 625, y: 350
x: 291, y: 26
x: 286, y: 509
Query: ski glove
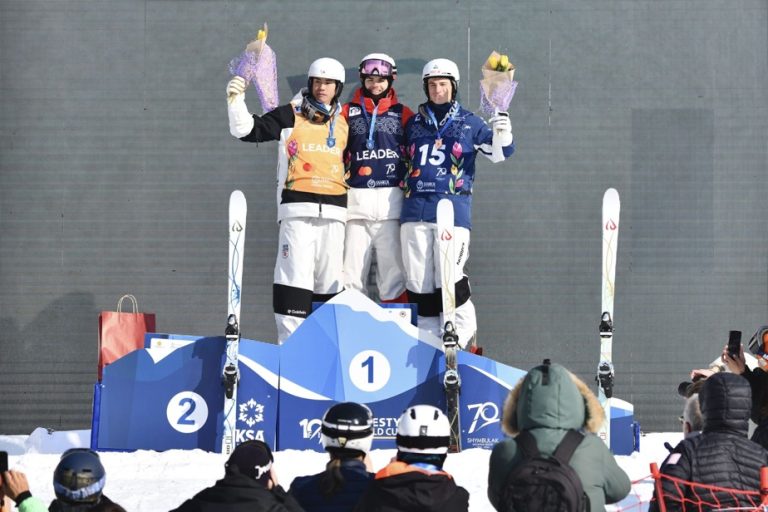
x: 240, y: 120
x: 502, y: 130
x: 236, y: 86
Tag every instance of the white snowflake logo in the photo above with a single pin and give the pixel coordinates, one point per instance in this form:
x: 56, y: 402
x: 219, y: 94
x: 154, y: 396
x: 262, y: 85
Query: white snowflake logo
x: 251, y: 412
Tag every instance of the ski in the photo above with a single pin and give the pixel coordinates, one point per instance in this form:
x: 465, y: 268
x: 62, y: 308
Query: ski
x: 238, y: 210
x: 447, y: 264
x: 605, y: 374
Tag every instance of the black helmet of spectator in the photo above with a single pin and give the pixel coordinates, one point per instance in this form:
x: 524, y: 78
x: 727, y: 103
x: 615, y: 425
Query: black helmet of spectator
x: 79, y: 477
x: 347, y: 429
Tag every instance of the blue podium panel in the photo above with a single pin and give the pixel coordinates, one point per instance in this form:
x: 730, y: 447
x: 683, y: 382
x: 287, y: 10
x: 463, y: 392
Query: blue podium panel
x: 351, y: 350
x: 170, y: 396
x: 485, y: 385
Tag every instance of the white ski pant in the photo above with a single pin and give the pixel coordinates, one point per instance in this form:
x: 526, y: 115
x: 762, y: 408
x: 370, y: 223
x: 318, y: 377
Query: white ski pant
x: 421, y: 259
x: 363, y: 238
x: 308, y: 268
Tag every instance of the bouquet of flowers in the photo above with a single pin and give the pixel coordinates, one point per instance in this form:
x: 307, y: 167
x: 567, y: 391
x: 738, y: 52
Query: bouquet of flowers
x: 257, y: 64
x: 497, y: 88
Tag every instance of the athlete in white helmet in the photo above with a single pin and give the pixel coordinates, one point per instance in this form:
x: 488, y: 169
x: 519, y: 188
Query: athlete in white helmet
x: 312, y: 194
x: 376, y: 165
x: 443, y: 141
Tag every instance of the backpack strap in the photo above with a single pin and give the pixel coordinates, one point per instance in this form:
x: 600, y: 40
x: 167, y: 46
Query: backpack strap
x: 527, y: 444
x: 568, y: 445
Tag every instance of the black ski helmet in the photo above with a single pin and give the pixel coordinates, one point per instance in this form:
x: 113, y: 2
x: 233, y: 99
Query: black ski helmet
x: 347, y: 428
x: 79, y: 477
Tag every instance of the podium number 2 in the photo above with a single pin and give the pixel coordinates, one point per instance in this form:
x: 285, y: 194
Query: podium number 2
x: 187, y: 412
x: 370, y: 370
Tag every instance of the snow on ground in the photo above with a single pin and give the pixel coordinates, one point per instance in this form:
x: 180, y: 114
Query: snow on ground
x: 151, y: 481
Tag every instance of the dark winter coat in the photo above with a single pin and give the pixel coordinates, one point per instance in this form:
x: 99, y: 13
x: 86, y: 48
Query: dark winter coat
x: 400, y: 487
x: 306, y: 489
x: 548, y: 412
x: 240, y: 493
x: 722, y: 455
x: 104, y: 505
x: 758, y: 382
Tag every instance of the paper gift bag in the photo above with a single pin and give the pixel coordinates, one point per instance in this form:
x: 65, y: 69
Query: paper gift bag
x: 122, y: 332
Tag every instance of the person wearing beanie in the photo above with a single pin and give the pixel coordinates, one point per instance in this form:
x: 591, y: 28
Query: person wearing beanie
x: 249, y: 485
x: 346, y: 434
x: 415, y: 481
x: 721, y: 455
x: 548, y: 402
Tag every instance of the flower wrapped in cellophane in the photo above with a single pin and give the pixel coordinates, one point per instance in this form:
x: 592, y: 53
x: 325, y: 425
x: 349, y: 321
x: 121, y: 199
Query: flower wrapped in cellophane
x: 258, y: 66
x: 497, y: 88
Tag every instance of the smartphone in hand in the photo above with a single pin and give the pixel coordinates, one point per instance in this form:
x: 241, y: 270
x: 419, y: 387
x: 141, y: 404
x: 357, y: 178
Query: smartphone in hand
x: 734, y: 343
x: 3, y: 462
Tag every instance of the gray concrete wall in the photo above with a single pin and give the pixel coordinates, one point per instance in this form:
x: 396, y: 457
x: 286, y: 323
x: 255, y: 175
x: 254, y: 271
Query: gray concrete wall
x: 116, y: 165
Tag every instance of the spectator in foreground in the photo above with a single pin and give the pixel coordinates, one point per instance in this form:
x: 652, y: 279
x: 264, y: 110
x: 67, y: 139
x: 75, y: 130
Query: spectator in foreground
x: 415, y: 480
x: 249, y: 485
x: 548, y: 402
x: 14, y: 488
x: 78, y: 482
x: 722, y: 455
x: 347, y: 434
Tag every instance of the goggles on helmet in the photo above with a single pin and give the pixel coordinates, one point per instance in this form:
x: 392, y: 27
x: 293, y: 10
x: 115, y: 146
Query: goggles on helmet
x: 757, y: 344
x: 376, y: 67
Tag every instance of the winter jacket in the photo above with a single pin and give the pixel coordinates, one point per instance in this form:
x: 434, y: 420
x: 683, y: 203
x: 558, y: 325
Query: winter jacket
x: 721, y: 455
x: 240, y: 493
x: 548, y: 410
x: 310, y: 173
x: 400, y: 487
x: 306, y: 489
x: 104, y: 504
x: 374, y: 174
x: 442, y: 161
x: 29, y: 503
x: 758, y: 382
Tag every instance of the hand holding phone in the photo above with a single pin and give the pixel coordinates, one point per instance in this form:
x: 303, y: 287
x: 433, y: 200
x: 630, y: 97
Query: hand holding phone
x: 3, y: 462
x: 734, y: 343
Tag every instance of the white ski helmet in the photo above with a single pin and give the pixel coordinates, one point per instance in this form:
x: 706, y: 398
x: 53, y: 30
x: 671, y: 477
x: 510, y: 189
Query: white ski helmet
x: 441, y: 68
x: 331, y: 69
x: 347, y: 427
x: 378, y: 64
x: 423, y: 429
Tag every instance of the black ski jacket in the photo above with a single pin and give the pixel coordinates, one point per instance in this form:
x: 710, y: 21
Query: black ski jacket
x: 402, y: 488
x: 240, y: 493
x: 722, y: 455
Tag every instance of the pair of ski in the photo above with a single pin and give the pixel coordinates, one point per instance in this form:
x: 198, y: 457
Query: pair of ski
x: 451, y: 379
x: 605, y: 373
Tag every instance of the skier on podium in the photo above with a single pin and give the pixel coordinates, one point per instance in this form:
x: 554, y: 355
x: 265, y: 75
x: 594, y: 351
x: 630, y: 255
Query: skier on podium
x: 312, y: 194
x: 443, y: 142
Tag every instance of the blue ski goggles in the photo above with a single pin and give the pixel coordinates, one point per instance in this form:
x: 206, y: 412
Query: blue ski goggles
x: 758, y: 342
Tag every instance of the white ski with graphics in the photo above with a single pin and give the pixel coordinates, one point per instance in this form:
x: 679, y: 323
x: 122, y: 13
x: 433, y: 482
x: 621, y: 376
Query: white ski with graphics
x: 238, y: 210
x: 604, y: 377
x: 451, y: 379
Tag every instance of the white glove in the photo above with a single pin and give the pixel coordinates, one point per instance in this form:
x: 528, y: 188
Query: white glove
x: 236, y: 86
x: 502, y: 130
x: 240, y: 120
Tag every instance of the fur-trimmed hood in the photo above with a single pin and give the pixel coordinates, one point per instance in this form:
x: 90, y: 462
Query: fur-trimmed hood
x: 559, y: 400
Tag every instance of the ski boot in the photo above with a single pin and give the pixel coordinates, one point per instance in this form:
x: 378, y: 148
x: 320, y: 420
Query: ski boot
x: 606, y: 325
x: 604, y: 378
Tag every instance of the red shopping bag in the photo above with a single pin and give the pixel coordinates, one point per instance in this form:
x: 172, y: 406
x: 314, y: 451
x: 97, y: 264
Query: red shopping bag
x: 121, y: 333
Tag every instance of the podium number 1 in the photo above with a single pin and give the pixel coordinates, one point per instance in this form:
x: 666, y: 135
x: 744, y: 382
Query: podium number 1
x: 369, y: 370
x: 369, y: 363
